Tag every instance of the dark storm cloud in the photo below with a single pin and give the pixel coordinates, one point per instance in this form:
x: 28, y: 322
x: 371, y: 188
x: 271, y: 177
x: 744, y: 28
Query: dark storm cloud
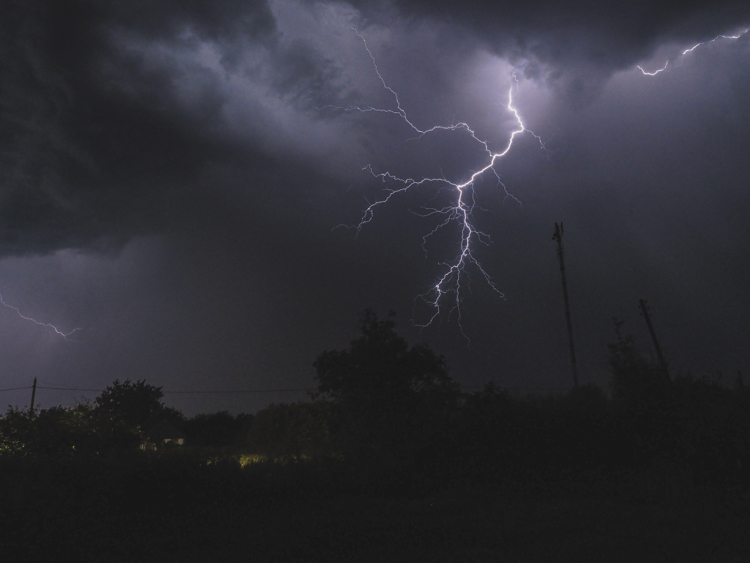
x: 199, y: 121
x: 304, y: 76
x: 113, y: 111
x: 95, y: 140
x: 575, y: 45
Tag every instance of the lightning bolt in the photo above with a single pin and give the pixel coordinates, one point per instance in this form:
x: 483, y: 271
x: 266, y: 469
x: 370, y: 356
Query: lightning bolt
x: 452, y: 281
x: 691, y: 49
x: 48, y: 325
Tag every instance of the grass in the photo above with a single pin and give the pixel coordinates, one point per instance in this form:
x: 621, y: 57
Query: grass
x: 178, y: 508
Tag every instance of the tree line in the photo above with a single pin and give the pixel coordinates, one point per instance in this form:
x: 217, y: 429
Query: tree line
x: 390, y: 411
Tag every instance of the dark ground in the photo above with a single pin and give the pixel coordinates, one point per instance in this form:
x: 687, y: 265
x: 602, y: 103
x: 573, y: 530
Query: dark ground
x: 147, y: 510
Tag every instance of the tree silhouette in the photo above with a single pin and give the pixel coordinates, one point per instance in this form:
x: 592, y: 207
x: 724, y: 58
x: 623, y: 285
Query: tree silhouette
x: 294, y: 429
x: 634, y: 378
x: 389, y: 397
x: 217, y: 429
x: 58, y: 431
x: 126, y: 410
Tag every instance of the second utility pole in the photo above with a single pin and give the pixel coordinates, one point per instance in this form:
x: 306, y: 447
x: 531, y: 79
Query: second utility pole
x: 557, y: 236
x: 652, y: 332
x: 33, y: 396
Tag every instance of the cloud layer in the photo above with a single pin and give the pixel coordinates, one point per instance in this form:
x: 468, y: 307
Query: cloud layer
x: 188, y: 162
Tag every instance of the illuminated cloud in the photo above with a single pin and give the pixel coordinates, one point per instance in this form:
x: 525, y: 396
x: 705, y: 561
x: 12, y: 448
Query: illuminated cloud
x: 184, y: 146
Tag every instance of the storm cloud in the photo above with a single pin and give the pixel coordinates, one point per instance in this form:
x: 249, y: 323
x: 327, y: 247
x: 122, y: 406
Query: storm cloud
x: 174, y: 175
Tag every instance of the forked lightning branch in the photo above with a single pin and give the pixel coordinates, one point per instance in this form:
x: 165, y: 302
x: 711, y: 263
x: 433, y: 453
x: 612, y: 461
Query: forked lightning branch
x: 40, y: 323
x: 690, y: 50
x: 454, y: 280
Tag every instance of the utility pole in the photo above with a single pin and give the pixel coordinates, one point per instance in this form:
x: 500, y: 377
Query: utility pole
x: 557, y: 236
x: 33, y: 395
x: 652, y: 332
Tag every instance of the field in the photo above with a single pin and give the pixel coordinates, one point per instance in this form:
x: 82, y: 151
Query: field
x: 178, y: 508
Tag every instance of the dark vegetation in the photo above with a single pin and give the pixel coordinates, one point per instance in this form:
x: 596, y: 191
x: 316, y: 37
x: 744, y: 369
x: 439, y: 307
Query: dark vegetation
x: 389, y: 462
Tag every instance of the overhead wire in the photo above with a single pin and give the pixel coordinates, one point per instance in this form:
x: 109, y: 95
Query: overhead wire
x: 196, y: 392
x: 252, y: 391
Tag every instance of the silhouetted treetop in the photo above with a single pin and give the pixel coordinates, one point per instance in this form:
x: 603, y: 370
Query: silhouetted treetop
x: 132, y: 403
x: 389, y: 400
x: 634, y: 378
x: 380, y: 365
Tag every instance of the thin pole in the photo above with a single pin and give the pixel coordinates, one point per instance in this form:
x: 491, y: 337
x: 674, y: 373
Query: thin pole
x: 652, y: 332
x: 33, y: 395
x: 557, y: 236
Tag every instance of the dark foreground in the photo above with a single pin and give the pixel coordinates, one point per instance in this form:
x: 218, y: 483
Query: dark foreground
x: 149, y: 508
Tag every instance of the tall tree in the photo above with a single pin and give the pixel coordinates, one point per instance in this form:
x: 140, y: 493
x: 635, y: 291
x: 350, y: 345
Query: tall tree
x: 126, y: 410
x: 390, y: 397
x: 635, y: 380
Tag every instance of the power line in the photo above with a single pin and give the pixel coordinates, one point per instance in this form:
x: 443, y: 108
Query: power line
x: 252, y: 391
x: 243, y: 391
x: 199, y: 392
x: 67, y: 388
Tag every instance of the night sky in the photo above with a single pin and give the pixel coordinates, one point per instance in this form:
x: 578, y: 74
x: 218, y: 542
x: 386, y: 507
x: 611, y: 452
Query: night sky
x: 174, y: 177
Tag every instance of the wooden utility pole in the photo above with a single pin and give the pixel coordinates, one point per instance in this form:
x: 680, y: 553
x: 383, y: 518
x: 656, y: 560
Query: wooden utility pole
x: 652, y: 332
x: 557, y: 236
x: 33, y: 396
